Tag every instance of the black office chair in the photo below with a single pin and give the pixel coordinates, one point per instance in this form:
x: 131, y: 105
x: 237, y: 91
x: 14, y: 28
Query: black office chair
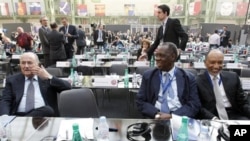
x: 55, y: 72
x: 85, y: 70
x: 140, y: 70
x: 119, y: 69
x: 78, y: 103
x: 191, y: 70
x: 245, y: 72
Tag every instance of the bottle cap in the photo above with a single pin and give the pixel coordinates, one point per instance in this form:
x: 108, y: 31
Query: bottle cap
x: 185, y: 119
x: 102, y: 119
x: 75, y: 126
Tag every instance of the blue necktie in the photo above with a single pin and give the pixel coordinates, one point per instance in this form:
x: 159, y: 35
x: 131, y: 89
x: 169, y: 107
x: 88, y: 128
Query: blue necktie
x: 163, y: 98
x: 30, y: 98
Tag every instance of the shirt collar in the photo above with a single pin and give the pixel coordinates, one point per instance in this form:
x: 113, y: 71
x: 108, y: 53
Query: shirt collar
x: 212, y: 77
x: 171, y: 72
x: 165, y: 21
x: 34, y: 77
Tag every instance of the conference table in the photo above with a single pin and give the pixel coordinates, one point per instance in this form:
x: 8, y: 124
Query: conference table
x: 50, y: 129
x: 60, y: 128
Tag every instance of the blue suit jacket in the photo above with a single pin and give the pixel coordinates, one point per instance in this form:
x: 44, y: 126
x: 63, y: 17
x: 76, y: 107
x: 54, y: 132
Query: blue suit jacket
x: 14, y: 89
x: 187, y: 93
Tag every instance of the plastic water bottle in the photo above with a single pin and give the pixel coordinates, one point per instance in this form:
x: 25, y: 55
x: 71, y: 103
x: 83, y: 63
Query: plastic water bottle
x: 76, y: 134
x: 76, y: 77
x: 73, y: 62
x: 4, y: 55
x: 103, y: 129
x: 72, y: 77
x: 204, y: 134
x: 126, y: 79
x: 183, y: 131
x: 134, y: 80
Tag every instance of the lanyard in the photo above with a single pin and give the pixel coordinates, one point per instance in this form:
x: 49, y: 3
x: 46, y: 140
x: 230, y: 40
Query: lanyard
x: 166, y: 85
x: 210, y: 80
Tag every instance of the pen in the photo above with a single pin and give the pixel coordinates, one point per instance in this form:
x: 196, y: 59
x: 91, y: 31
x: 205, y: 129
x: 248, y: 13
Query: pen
x: 110, y: 129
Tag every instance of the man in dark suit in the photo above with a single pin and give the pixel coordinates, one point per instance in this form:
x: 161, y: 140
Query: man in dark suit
x: 32, y: 92
x: 225, y: 35
x: 233, y: 99
x: 70, y: 33
x: 56, y: 45
x: 99, y: 36
x: 170, y: 31
x: 80, y: 41
x: 42, y: 32
x: 159, y: 96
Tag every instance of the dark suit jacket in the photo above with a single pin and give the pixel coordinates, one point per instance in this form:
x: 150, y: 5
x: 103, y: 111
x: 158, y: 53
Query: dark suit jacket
x: 80, y: 41
x: 187, y: 93
x: 14, y: 89
x: 233, y: 90
x: 96, y: 33
x: 173, y: 33
x: 42, y: 32
x: 72, y: 30
x: 56, y: 45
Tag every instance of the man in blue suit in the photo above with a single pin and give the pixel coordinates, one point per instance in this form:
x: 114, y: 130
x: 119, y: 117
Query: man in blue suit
x: 160, y: 95
x: 70, y: 34
x: 32, y: 92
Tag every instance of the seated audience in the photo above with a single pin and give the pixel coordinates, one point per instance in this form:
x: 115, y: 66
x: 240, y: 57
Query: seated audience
x: 159, y: 95
x: 33, y: 92
x: 220, y: 92
x: 118, y: 43
x: 145, y: 45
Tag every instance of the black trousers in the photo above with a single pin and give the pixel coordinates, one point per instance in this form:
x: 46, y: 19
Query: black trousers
x: 69, y: 49
x: 45, y: 111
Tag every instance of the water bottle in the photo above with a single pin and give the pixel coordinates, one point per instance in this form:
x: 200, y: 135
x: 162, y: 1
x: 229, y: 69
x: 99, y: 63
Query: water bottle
x: 73, y: 62
x: 152, y: 62
x: 183, y: 130
x: 4, y: 55
x: 126, y: 79
x: 76, y: 134
x: 134, y: 80
x: 76, y: 77
x: 72, y: 77
x: 204, y: 134
x: 103, y: 129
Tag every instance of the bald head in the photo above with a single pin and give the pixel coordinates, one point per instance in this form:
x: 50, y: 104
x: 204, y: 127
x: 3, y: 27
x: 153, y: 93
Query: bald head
x: 30, y: 55
x: 214, y: 61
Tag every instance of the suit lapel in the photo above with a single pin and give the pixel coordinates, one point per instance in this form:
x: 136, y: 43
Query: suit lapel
x: 156, y: 82
x: 20, y: 88
x: 207, y: 83
x: 226, y: 84
x: 166, y: 26
x: 180, y: 82
x: 43, y: 88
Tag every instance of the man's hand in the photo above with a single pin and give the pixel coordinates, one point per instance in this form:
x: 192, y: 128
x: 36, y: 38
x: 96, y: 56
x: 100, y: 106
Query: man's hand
x: 164, y: 116
x: 41, y: 72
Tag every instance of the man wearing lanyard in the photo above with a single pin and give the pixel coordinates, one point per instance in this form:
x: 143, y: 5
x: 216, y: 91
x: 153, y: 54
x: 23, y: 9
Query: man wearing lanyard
x: 220, y: 92
x: 167, y: 89
x: 70, y: 34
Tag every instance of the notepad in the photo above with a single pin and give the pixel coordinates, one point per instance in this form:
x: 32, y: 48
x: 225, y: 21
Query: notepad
x: 85, y: 128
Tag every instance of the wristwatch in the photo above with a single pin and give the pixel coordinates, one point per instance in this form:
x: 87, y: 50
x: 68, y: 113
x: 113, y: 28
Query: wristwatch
x: 157, y: 115
x: 50, y: 77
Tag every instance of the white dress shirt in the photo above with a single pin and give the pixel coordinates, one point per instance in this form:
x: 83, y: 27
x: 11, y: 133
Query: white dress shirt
x: 39, y: 102
x: 214, y: 39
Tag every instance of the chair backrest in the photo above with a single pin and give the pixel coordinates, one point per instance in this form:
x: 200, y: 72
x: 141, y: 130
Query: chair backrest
x: 245, y: 73
x: 85, y: 70
x: 55, y: 71
x: 193, y: 71
x: 118, y: 68
x: 78, y: 103
x: 142, y: 69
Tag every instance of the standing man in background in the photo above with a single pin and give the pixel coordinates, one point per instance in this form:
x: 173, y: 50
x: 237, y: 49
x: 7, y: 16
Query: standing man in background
x: 225, y: 35
x: 214, y: 40
x: 99, y: 36
x: 70, y: 34
x: 170, y: 31
x: 42, y: 32
x: 80, y: 41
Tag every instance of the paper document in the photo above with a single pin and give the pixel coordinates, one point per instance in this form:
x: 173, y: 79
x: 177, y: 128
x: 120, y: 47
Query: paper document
x: 85, y: 128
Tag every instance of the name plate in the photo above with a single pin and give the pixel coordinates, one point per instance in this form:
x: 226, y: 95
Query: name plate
x: 199, y: 65
x: 101, y: 56
x: 248, y: 58
x: 184, y: 57
x: 141, y: 63
x: 233, y: 65
x: 62, y: 64
x: 87, y: 63
x: 245, y: 83
x: 122, y: 55
x: 228, y: 58
x: 15, y: 56
x: 118, y: 62
x: 107, y: 81
x: 79, y: 56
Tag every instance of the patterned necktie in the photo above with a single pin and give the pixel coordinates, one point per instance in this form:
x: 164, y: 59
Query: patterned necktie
x: 219, y: 100
x: 30, y: 97
x: 170, y: 89
x: 163, y: 98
